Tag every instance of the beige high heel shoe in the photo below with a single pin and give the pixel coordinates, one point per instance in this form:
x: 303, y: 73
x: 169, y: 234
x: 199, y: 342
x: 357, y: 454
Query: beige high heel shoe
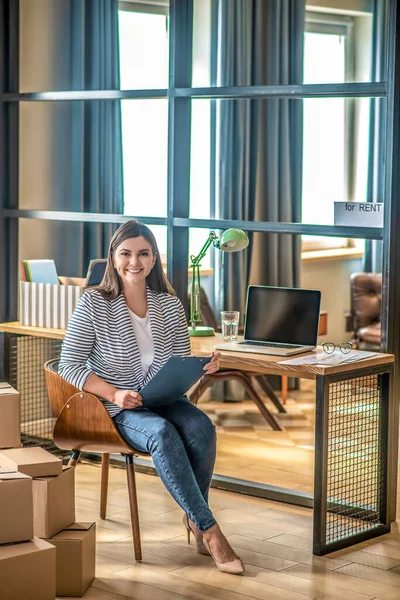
x: 233, y: 567
x: 199, y: 541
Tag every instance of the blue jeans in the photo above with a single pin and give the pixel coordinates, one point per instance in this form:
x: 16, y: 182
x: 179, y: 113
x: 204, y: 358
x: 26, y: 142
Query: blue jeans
x: 182, y: 442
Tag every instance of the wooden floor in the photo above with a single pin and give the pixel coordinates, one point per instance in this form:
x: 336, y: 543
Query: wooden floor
x: 248, y: 448
x: 273, y: 539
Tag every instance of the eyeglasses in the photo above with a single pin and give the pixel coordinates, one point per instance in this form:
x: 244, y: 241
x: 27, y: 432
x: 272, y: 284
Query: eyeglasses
x: 330, y: 347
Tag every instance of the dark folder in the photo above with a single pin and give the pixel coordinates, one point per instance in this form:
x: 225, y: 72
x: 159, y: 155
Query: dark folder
x: 173, y: 380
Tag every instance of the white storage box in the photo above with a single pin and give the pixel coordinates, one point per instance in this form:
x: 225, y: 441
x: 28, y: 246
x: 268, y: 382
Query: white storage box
x: 47, y: 305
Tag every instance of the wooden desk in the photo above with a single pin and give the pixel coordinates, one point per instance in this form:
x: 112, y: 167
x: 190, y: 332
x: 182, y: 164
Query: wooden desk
x: 356, y: 426
x: 355, y: 471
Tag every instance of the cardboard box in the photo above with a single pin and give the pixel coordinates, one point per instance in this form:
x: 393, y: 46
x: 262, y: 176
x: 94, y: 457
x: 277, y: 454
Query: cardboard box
x: 28, y: 571
x: 76, y: 558
x: 35, y: 462
x: 16, y: 507
x: 53, y: 503
x: 10, y: 417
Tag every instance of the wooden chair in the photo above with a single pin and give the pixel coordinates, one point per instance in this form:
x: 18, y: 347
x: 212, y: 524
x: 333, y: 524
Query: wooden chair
x: 83, y: 424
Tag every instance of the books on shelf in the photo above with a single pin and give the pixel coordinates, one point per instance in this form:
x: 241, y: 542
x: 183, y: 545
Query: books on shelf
x: 39, y: 271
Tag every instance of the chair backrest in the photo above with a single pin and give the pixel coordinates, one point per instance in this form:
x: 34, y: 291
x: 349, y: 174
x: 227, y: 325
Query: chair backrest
x: 83, y: 422
x: 366, y: 298
x: 58, y: 389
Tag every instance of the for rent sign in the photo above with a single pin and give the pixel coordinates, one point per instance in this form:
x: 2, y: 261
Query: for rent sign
x: 359, y: 214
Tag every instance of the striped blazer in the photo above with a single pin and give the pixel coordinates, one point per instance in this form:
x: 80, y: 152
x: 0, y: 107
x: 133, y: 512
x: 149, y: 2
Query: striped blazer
x: 100, y: 339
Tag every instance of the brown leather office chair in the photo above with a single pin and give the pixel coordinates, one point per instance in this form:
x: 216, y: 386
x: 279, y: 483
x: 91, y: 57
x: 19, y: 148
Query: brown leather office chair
x: 365, y: 317
x: 83, y: 424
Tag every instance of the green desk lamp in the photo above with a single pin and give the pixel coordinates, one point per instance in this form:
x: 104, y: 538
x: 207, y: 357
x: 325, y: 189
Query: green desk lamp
x: 231, y: 240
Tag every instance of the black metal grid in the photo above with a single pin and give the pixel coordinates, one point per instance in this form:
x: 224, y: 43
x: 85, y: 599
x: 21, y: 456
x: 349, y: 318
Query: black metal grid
x: 26, y: 357
x: 355, y: 467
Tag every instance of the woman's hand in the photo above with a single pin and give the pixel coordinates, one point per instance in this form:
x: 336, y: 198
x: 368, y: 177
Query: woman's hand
x: 127, y: 399
x: 213, y: 365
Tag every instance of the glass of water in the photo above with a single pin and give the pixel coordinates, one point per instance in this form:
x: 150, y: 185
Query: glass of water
x: 230, y: 324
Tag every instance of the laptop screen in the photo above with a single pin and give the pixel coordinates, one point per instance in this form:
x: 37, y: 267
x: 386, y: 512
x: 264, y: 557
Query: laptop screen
x: 282, y: 315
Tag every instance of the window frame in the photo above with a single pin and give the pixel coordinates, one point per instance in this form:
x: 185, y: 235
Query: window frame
x: 179, y: 94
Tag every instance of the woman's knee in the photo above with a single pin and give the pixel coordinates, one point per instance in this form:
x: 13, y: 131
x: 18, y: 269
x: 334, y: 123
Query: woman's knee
x: 204, y: 429
x: 165, y: 435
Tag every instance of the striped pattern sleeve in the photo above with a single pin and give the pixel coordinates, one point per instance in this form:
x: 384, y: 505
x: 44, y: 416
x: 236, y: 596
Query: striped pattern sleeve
x: 78, y: 344
x: 182, y: 339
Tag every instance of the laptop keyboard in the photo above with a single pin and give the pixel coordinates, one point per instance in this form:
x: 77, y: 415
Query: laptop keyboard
x: 270, y: 345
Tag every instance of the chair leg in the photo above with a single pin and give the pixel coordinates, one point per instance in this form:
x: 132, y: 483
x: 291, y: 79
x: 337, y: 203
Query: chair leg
x: 284, y: 385
x: 267, y: 388
x: 74, y: 458
x: 105, y: 464
x: 133, y: 505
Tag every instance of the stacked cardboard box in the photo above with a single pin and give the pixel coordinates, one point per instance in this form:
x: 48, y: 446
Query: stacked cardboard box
x: 27, y: 564
x: 75, y: 558
x: 10, y: 416
x: 38, y: 497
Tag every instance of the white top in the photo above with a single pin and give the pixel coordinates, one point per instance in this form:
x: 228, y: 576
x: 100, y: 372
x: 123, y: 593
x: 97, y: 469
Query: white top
x: 144, y: 338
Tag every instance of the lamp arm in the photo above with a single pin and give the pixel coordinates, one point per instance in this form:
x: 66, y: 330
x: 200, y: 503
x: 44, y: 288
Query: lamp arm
x: 212, y: 238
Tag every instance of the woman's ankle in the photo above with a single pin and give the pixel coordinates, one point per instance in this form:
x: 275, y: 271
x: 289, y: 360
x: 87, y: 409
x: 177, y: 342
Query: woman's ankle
x: 212, y: 531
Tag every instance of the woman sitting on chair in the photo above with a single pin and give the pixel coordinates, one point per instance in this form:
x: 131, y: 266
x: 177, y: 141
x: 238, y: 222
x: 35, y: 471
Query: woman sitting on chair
x: 118, y: 337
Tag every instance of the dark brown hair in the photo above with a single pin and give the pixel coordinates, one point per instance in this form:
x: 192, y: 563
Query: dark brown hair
x: 111, y: 286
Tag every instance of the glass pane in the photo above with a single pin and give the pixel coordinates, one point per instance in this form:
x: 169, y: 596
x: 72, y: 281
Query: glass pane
x: 200, y: 159
x: 335, y: 155
x: 324, y: 58
x: 160, y: 233
x: 241, y: 43
x: 51, y: 149
x: 143, y: 49
x: 145, y: 149
x: 49, y: 59
x: 65, y: 150
x: 70, y: 156
x: 202, y: 27
x: 65, y: 47
x: 286, y: 160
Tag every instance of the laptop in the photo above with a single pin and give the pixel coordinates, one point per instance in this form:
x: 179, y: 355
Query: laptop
x: 280, y: 321
x: 95, y: 272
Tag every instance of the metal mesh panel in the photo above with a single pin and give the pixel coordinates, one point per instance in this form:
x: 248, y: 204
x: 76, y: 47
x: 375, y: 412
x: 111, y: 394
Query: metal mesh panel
x: 354, y: 470
x: 27, y: 356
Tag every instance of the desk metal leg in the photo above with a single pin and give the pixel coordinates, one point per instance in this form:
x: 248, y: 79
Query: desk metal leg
x: 354, y: 486
x: 267, y: 389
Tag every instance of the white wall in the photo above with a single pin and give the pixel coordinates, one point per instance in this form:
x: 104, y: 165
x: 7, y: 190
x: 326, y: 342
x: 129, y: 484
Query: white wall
x: 332, y: 277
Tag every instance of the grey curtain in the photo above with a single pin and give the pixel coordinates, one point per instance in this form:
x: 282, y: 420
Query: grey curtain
x: 373, y: 255
x: 259, y: 142
x: 87, y: 134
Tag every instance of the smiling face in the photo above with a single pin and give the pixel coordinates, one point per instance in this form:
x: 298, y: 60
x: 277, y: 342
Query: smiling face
x: 133, y: 260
